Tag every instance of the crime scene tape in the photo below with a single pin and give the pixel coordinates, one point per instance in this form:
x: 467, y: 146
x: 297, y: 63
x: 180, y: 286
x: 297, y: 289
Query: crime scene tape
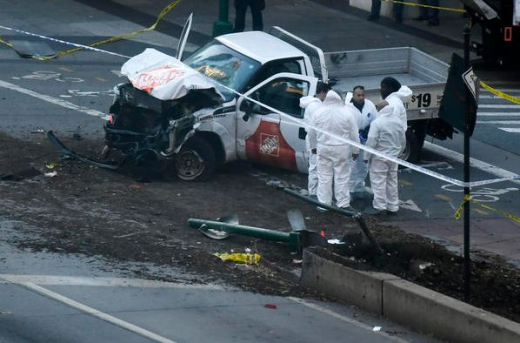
x: 373, y: 151
x: 451, y: 9
x: 78, y: 47
x: 487, y: 207
x: 499, y: 93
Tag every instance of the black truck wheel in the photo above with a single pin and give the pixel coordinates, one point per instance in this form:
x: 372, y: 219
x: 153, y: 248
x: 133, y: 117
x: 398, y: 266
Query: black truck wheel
x: 196, y: 161
x: 412, y: 149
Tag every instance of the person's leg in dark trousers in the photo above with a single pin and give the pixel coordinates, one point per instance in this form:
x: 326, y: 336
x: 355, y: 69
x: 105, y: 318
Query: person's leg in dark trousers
x: 375, y: 10
x: 256, y: 12
x: 433, y: 13
x: 398, y: 12
x: 423, y: 11
x: 240, y: 14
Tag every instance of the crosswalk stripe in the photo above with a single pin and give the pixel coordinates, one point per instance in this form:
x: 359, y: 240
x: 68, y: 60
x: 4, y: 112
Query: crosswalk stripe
x: 510, y: 91
x: 498, y: 114
x: 499, y: 122
x: 510, y: 129
x: 500, y: 106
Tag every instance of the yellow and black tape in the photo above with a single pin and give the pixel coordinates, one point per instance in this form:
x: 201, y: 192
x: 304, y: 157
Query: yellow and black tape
x: 414, y: 4
x: 161, y: 15
x: 503, y: 95
x: 502, y: 213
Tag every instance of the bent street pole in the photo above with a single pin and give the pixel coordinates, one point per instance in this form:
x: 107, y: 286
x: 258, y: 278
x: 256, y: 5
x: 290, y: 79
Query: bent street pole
x: 467, y: 258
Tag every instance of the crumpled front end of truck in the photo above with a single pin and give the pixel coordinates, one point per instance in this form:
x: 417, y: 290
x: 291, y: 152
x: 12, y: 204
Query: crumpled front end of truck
x: 144, y: 128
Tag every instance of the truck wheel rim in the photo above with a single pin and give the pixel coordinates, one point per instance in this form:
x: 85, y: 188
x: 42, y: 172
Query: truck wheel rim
x: 189, y: 165
x: 406, y: 152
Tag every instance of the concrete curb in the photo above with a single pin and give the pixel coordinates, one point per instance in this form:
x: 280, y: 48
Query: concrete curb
x: 407, y: 303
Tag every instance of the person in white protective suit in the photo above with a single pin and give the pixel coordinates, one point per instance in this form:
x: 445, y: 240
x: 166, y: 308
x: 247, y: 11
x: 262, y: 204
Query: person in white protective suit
x: 311, y: 104
x: 395, y: 95
x: 331, y: 123
x: 365, y: 113
x: 387, y: 136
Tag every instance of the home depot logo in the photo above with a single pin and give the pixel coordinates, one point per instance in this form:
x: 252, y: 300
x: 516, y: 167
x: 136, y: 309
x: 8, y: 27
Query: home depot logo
x: 269, y: 145
x: 149, y: 80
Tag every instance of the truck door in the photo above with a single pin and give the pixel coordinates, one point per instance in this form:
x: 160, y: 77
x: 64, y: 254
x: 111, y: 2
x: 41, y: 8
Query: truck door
x: 270, y: 128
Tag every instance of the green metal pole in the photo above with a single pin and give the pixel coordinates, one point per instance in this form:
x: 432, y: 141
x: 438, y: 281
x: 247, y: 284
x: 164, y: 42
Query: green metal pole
x: 272, y: 235
x: 222, y: 26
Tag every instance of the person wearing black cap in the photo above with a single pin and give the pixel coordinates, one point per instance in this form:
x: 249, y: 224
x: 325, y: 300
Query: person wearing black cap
x: 395, y: 95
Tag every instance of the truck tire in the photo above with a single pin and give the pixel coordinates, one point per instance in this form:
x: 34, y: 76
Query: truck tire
x: 412, y: 149
x: 196, y: 161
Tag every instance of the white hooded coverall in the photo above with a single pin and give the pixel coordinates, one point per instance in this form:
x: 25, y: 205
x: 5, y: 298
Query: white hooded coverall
x: 334, y: 155
x: 363, y: 119
x: 396, y: 100
x: 310, y: 104
x: 387, y: 135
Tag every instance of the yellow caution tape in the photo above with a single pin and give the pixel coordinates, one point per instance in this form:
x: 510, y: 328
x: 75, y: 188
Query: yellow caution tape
x: 5, y: 42
x: 239, y: 257
x: 487, y: 207
x: 161, y: 15
x: 499, y: 93
x: 460, y: 10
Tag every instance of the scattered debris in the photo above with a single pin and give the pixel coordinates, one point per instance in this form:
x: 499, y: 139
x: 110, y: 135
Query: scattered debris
x: 377, y: 328
x: 271, y: 306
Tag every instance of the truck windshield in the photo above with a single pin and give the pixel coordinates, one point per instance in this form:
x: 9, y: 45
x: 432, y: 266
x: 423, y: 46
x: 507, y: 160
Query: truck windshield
x: 223, y: 65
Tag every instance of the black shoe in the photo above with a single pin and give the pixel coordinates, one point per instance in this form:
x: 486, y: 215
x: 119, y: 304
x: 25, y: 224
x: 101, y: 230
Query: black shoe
x: 372, y: 211
x: 349, y: 208
x: 420, y: 18
x: 391, y: 213
x: 373, y: 17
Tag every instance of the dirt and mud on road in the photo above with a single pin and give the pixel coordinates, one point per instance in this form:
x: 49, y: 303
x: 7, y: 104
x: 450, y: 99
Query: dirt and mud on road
x: 77, y: 208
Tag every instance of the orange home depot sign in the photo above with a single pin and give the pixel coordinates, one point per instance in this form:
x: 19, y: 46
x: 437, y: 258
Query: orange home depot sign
x: 268, y: 146
x: 148, y: 80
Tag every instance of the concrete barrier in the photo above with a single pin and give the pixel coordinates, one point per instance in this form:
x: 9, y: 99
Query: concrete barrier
x: 363, y: 289
x: 404, y: 302
x: 447, y: 318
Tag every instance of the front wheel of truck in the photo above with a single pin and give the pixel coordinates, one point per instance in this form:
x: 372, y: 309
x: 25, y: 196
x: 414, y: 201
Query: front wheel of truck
x: 196, y: 161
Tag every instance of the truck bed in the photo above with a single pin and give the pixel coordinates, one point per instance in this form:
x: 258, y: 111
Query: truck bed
x: 408, y: 65
x: 424, y: 74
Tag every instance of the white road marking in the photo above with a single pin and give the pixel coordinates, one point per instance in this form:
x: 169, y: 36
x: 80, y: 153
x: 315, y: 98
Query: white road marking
x: 488, y: 168
x: 102, y: 282
x: 504, y: 90
x: 346, y: 319
x: 410, y: 205
x: 52, y: 100
x: 499, y: 122
x: 500, y: 106
x: 95, y: 313
x: 510, y: 129
x: 498, y: 114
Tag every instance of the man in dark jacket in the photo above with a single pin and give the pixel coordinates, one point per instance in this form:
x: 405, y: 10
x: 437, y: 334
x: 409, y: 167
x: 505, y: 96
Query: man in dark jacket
x: 257, y: 6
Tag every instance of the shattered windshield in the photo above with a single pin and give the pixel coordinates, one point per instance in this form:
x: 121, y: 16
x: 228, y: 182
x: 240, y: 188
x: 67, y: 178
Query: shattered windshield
x: 224, y: 65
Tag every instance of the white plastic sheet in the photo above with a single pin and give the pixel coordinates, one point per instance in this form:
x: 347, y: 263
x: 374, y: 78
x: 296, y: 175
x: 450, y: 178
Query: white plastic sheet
x: 162, y: 76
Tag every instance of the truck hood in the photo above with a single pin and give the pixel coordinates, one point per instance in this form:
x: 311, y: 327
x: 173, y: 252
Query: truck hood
x: 164, y: 77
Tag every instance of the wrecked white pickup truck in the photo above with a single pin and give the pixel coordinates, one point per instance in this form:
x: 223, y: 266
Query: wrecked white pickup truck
x: 210, y: 123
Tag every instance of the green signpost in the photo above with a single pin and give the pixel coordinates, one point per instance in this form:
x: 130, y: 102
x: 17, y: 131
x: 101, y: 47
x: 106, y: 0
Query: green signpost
x: 222, y: 25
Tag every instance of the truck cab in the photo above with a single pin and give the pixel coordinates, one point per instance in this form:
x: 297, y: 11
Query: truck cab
x: 262, y: 79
